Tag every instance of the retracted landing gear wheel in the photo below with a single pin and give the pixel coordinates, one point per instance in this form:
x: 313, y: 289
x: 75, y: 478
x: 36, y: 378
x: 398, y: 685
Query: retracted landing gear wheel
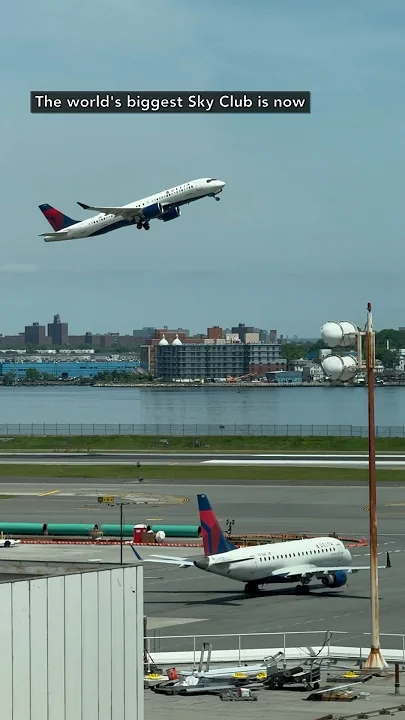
x: 252, y: 588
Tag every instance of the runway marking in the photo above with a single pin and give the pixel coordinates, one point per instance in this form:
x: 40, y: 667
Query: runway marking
x: 50, y: 492
x: 153, y: 519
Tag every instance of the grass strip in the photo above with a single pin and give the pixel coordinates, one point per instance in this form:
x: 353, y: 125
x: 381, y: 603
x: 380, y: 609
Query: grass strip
x: 198, y: 472
x: 201, y: 444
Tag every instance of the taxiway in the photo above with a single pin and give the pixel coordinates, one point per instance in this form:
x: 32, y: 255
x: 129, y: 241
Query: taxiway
x: 190, y: 602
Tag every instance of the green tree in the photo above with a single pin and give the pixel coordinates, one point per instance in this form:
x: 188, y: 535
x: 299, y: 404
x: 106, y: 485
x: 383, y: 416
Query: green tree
x: 32, y: 375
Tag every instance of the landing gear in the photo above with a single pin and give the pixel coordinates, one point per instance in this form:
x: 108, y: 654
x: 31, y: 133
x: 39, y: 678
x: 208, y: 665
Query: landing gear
x: 302, y: 590
x: 144, y: 225
x: 217, y: 198
x: 139, y: 225
x: 252, y: 588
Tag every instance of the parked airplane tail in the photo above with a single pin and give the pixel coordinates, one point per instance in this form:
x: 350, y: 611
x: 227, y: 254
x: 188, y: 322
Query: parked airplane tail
x: 214, y: 540
x: 56, y: 219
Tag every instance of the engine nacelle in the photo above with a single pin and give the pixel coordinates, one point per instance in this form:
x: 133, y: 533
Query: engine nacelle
x: 152, y: 211
x: 335, y: 580
x: 171, y: 214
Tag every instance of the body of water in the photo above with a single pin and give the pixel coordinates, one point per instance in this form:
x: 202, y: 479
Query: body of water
x: 278, y: 406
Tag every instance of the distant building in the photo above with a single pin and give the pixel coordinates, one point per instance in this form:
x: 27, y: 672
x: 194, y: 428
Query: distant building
x: 212, y: 361
x: 214, y: 333
x: 34, y: 334
x: 65, y: 370
x: 287, y: 377
x: 58, y: 331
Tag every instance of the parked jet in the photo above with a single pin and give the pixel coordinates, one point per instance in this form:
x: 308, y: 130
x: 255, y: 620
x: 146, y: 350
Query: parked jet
x: 324, y: 558
x: 163, y: 206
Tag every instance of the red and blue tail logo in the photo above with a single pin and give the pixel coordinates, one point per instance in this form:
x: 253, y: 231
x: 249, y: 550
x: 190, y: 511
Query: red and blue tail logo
x: 214, y: 540
x: 56, y: 219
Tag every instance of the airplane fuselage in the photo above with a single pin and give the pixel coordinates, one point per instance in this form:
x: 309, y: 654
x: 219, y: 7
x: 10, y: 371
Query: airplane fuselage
x: 171, y: 200
x: 263, y: 560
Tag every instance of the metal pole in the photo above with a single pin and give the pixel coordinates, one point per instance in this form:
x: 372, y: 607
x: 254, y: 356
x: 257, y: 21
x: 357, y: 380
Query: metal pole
x: 375, y: 659
x: 121, y: 532
x: 396, y: 678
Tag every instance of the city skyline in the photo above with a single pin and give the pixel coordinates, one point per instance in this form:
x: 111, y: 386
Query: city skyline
x: 312, y: 221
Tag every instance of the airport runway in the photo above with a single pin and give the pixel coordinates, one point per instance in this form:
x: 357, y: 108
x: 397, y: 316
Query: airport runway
x: 352, y: 460
x: 188, y: 602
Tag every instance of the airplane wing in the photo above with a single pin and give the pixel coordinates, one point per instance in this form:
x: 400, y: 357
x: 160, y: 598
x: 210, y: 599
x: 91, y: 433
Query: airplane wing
x: 125, y: 212
x: 311, y: 570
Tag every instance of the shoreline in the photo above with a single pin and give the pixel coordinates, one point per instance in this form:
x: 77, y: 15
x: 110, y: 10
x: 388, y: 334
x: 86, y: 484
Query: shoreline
x: 188, y: 386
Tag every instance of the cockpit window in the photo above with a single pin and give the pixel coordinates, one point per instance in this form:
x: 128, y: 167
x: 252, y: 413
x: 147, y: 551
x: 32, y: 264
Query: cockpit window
x: 211, y: 180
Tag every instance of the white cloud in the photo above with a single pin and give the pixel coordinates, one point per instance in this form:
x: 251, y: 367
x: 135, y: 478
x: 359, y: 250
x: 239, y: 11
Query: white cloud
x: 18, y: 268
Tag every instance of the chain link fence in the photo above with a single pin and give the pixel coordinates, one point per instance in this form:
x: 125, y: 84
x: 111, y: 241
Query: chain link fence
x: 196, y: 430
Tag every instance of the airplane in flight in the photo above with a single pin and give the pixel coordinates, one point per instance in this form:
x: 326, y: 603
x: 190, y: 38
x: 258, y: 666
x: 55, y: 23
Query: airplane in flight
x: 164, y: 206
x: 323, y: 558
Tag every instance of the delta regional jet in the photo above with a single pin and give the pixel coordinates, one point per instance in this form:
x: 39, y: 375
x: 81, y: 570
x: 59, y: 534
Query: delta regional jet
x: 163, y: 206
x: 324, y: 558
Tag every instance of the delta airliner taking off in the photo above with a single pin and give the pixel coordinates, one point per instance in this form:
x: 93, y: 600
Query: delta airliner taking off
x: 324, y: 558
x: 163, y: 206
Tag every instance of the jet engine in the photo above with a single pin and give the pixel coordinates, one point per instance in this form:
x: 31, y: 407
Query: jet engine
x: 338, y: 579
x: 171, y: 214
x: 152, y: 211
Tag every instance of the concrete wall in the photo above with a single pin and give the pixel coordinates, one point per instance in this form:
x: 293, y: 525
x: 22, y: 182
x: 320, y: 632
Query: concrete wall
x: 72, y: 646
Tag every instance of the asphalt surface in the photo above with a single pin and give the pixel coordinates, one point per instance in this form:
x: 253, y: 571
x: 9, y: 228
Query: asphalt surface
x: 129, y: 458
x: 188, y: 602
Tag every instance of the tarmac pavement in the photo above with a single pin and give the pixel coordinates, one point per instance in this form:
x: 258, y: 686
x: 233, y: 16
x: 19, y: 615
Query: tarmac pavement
x: 191, y: 602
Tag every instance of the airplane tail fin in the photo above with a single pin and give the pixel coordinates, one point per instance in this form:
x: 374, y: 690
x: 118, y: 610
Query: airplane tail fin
x: 56, y: 219
x: 214, y: 540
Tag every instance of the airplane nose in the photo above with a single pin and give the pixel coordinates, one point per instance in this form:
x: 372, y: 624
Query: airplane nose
x: 221, y: 184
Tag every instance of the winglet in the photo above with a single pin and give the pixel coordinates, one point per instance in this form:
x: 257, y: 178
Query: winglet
x: 388, y: 565
x: 85, y: 207
x: 138, y: 557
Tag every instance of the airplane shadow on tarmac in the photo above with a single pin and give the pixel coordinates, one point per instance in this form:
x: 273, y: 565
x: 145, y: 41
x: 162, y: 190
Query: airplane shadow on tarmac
x: 230, y: 597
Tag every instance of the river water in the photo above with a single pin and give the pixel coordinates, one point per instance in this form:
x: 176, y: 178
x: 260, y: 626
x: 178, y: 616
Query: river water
x: 227, y: 406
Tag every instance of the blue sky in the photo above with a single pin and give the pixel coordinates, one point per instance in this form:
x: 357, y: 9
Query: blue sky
x: 311, y: 225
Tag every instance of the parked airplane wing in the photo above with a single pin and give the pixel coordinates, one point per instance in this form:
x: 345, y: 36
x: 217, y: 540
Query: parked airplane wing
x: 296, y: 571
x: 310, y: 570
x: 124, y: 212
x: 165, y: 559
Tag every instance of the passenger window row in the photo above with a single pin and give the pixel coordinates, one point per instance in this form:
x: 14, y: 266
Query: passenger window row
x: 307, y: 552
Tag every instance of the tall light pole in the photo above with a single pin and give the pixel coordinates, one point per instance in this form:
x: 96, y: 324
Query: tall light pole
x: 344, y: 334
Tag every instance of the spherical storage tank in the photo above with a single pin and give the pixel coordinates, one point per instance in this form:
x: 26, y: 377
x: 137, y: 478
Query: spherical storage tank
x: 339, y: 333
x: 340, y: 368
